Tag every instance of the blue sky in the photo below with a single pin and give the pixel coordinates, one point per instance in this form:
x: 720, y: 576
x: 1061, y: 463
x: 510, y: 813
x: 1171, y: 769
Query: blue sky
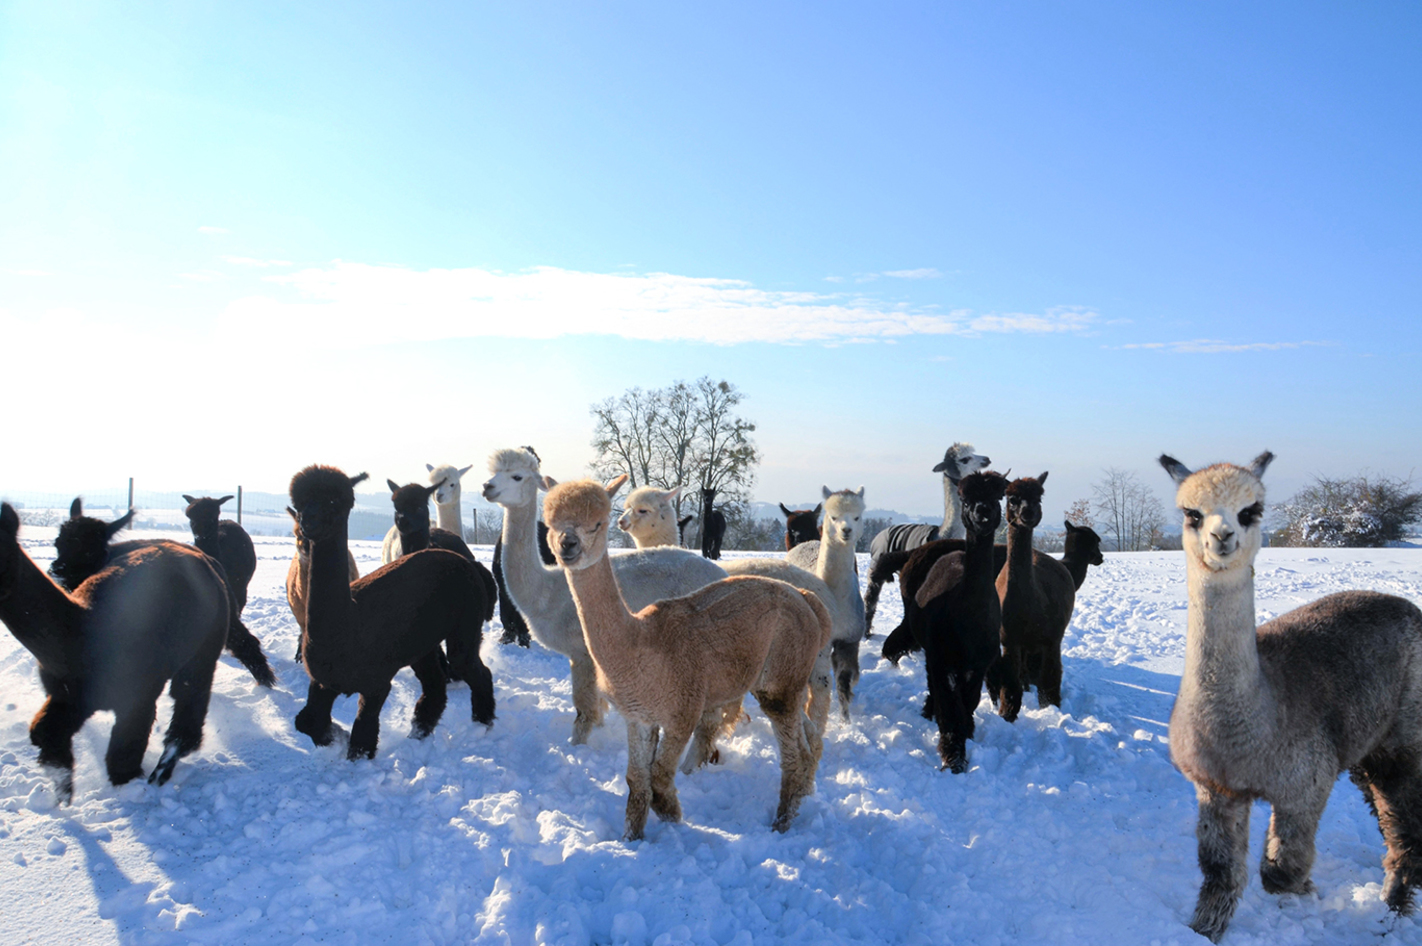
x: 235, y: 239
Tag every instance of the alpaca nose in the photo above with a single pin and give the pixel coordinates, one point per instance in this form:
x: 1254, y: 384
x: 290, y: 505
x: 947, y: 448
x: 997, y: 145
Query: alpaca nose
x: 1223, y: 535
x: 568, y: 546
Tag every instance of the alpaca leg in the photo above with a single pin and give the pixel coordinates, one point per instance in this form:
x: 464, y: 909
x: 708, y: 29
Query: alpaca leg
x: 871, y: 604
x: 1009, y: 694
x: 1392, y: 783
x: 314, y: 719
x: 433, y: 694
x: 52, y: 731
x: 821, y: 690
x: 466, y: 665
x: 1289, y: 846
x: 899, y: 642
x: 191, y: 689
x: 641, y: 748
x: 1223, y: 834
x: 243, y: 645
x: 969, y: 696
x: 715, y: 721
x: 586, y: 698
x: 845, y: 658
x: 129, y: 739
x: 515, y: 628
x: 365, y: 731
x: 952, y: 723
x: 1049, y: 677
x: 668, y: 751
x: 797, y: 764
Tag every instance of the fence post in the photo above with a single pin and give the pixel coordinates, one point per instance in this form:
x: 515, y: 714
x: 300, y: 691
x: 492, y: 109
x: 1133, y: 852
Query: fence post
x: 130, y: 492
x: 239, y: 505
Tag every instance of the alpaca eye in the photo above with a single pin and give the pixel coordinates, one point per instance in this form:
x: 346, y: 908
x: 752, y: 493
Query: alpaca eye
x: 518, y: 479
x: 1250, y: 515
x: 1193, y: 518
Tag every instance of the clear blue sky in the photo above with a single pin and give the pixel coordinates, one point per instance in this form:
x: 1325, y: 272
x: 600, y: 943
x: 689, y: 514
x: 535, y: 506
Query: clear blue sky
x: 238, y: 238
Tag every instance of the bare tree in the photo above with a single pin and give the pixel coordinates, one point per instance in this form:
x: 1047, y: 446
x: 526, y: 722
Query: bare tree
x: 1130, y: 512
x: 1079, y: 513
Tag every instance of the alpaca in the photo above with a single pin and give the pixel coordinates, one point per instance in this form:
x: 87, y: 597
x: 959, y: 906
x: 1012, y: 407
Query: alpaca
x: 649, y: 516
x: 358, y: 635
x: 298, y: 577
x: 1082, y: 547
x: 515, y: 627
x: 225, y: 541
x: 1038, y: 594
x: 959, y: 460
x: 1279, y: 710
x: 542, y: 594
x: 681, y: 525
x: 677, y: 661
x: 445, y: 479
x: 832, y: 559
x: 955, y: 616
x: 801, y: 525
x: 83, y: 549
x: 713, y: 525
x: 155, y: 615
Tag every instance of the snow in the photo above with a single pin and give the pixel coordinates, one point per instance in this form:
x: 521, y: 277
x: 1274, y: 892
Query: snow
x: 1070, y: 827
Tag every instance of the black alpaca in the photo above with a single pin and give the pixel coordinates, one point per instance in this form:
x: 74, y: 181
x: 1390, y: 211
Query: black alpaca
x: 225, y: 541
x: 713, y: 525
x: 681, y: 525
x: 801, y: 525
x: 107, y: 647
x: 515, y: 627
x: 358, y: 635
x: 412, y: 519
x: 1081, y: 548
x: 957, y: 620
x: 83, y: 549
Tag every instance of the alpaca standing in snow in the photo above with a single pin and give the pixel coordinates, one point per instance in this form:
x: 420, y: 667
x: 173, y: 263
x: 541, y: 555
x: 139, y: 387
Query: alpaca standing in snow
x: 298, y: 577
x: 445, y: 479
x: 713, y: 525
x: 542, y: 594
x: 1279, y: 710
x: 649, y: 516
x: 801, y: 525
x: 676, y: 661
x: 959, y: 460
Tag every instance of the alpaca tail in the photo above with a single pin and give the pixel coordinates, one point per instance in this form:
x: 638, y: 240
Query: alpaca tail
x: 243, y: 644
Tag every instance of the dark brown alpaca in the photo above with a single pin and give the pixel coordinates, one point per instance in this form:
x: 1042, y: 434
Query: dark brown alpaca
x: 713, y: 525
x: 1082, y: 547
x: 801, y: 525
x: 358, y: 635
x: 298, y: 577
x: 1037, y: 594
x: 154, y: 614
x: 225, y: 541
x: 83, y: 549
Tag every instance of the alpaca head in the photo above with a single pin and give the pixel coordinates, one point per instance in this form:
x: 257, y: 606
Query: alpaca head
x: 1224, y: 508
x: 648, y: 508
x: 577, y: 514
x: 203, y: 513
x: 514, y: 479
x: 9, y: 550
x: 844, y: 515
x: 82, y: 546
x: 322, y: 497
x: 982, y: 494
x: 959, y: 460
x: 1024, y: 501
x: 708, y: 496
x: 303, y: 546
x: 802, y: 525
x: 412, y: 505
x: 1084, y: 541
x: 445, y: 478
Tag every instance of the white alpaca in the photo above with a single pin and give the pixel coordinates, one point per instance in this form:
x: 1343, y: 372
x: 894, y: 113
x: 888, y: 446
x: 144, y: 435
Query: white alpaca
x: 1279, y: 710
x: 447, y: 513
x: 649, y: 516
x: 831, y: 563
x: 542, y: 595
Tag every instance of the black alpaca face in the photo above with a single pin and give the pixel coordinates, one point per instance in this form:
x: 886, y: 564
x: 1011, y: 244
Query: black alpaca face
x: 82, y: 548
x: 203, y: 514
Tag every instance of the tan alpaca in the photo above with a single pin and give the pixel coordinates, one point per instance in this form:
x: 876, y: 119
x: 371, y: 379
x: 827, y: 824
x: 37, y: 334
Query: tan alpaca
x: 680, y: 660
x: 298, y: 576
x: 649, y: 516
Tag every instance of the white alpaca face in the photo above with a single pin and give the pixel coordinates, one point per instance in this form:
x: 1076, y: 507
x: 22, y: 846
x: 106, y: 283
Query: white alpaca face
x: 449, y: 491
x: 647, y: 508
x: 962, y: 460
x: 511, y: 484
x: 1224, y: 509
x: 844, y: 516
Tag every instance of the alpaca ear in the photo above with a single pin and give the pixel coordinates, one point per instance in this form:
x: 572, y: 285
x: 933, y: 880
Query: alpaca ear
x: 189, y: 499
x: 825, y: 492
x: 224, y: 499
x: 1069, y: 526
x: 76, y: 508
x: 549, y: 482
x: 1178, y: 471
x: 615, y: 484
x: 787, y: 512
x: 1042, y: 479
x: 393, y: 487
x: 461, y: 472
x: 292, y: 513
x: 359, y: 478
x: 428, y: 468
x: 1260, y: 464
x: 118, y: 525
x: 9, y: 519
x: 673, y: 493
x: 860, y: 494
x: 429, y: 490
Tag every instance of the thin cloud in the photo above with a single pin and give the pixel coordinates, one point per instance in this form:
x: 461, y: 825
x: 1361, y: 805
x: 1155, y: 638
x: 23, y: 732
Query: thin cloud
x: 28, y: 272
x: 359, y: 301
x: 1210, y: 346
x: 925, y: 273
x: 211, y: 230
x: 251, y: 261
x: 205, y: 275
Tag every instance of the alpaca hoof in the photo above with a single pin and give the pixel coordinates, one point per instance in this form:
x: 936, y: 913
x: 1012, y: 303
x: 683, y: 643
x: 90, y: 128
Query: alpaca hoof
x: 714, y: 758
x: 164, y: 770
x: 1397, y: 894
x: 63, y: 785
x: 1276, y: 881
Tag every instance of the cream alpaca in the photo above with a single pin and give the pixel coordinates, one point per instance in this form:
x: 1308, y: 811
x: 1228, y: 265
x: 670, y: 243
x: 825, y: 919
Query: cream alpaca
x: 542, y: 594
x: 1278, y: 711
x: 649, y: 516
x: 447, y: 512
x: 678, y: 661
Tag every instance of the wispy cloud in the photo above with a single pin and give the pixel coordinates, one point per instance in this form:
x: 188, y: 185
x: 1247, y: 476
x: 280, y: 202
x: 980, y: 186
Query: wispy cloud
x: 926, y: 273
x: 211, y: 230
x: 27, y: 272
x: 1210, y: 346
x: 360, y: 300
x: 203, y: 275
x: 251, y: 261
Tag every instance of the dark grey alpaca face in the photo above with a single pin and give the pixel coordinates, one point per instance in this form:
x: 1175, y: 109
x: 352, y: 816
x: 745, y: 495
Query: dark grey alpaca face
x: 82, y: 547
x: 412, y: 520
x: 1022, y: 511
x: 318, y: 518
x: 982, y: 516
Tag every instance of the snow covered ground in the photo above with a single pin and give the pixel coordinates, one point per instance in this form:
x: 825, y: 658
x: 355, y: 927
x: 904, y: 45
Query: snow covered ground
x: 1071, y: 826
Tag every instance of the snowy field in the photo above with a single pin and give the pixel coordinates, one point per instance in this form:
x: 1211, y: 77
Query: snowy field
x: 1071, y: 826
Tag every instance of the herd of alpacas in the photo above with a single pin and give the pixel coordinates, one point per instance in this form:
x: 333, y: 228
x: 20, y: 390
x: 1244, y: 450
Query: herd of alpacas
x: 675, y: 639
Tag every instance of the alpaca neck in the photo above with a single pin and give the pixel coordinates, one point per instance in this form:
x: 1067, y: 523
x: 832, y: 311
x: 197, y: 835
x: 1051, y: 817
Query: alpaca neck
x: 414, y: 540
x: 1221, y: 651
x: 835, y: 564
x: 952, y: 525
x: 329, y: 607
x: 43, y: 618
x: 979, y: 563
x: 528, y: 579
x: 1075, y: 561
x: 1020, y: 572
x: 448, y: 516
x: 614, y: 636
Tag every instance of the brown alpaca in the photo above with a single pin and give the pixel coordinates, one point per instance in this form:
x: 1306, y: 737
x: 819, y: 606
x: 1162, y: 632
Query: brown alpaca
x: 682, y: 660
x: 298, y: 577
x: 1038, y: 594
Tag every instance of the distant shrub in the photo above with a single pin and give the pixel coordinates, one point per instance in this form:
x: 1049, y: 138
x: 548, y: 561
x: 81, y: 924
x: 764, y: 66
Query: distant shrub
x: 1363, y: 511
